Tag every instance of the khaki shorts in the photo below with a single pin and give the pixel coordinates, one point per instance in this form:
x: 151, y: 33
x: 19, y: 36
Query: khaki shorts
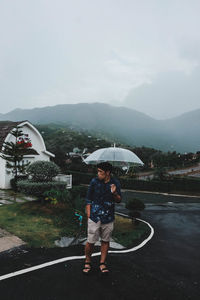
x: 96, y: 230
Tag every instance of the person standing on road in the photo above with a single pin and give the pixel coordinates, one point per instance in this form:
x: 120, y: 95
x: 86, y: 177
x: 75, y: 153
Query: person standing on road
x: 102, y: 194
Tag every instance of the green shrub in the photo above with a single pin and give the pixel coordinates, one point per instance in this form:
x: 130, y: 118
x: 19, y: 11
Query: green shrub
x: 38, y: 188
x: 13, y: 181
x: 177, y: 184
x: 56, y: 196
x: 134, y: 215
x: 135, y: 204
x: 43, y: 171
x: 79, y: 204
x: 80, y: 190
x: 75, y: 197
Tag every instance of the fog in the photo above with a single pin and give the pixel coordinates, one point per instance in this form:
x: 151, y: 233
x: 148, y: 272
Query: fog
x: 141, y: 54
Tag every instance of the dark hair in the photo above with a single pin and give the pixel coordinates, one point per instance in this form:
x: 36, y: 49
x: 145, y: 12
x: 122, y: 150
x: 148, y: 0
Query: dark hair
x: 105, y: 166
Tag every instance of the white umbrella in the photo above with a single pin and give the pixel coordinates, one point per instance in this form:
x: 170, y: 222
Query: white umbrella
x: 119, y: 157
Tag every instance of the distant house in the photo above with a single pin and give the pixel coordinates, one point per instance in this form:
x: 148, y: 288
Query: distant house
x: 36, y: 139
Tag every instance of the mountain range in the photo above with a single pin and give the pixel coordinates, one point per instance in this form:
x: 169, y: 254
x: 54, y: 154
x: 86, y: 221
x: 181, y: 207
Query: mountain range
x: 122, y: 124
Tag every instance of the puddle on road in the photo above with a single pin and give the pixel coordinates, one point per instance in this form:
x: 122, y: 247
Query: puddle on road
x: 172, y: 206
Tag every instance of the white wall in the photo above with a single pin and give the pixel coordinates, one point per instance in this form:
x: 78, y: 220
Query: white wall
x: 2, y: 173
x: 38, y: 145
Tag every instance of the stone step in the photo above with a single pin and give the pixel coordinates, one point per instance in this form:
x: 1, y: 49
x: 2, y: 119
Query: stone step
x: 5, y: 202
x: 9, y: 242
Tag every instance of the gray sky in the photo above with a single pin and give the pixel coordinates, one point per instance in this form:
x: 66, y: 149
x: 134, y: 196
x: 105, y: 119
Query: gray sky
x: 143, y: 54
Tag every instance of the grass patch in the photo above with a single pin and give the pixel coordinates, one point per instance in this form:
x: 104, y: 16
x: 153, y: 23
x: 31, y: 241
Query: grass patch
x: 125, y: 232
x: 39, y: 225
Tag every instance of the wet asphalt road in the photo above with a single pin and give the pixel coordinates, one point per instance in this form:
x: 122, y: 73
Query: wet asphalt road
x: 167, y: 267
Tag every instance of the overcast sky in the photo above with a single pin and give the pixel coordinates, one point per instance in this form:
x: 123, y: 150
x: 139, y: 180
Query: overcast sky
x: 143, y: 54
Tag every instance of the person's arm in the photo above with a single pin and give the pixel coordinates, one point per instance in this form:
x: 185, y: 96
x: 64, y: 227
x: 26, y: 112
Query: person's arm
x: 88, y: 207
x: 89, y: 199
x: 117, y: 197
x: 116, y: 193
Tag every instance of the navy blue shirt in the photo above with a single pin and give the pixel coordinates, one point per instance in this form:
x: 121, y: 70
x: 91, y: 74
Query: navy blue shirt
x: 102, y: 200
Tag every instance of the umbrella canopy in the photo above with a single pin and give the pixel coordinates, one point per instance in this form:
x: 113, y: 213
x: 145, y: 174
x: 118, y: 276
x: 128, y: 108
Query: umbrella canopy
x: 119, y: 157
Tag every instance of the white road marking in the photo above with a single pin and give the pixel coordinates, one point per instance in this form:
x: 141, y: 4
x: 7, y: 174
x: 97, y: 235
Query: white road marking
x: 160, y: 193
x: 57, y: 261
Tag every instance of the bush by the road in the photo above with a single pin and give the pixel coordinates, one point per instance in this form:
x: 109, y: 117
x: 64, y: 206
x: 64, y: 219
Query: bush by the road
x: 135, y: 204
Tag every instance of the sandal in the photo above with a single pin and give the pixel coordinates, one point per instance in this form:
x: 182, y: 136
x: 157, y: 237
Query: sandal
x: 104, y: 270
x: 89, y: 268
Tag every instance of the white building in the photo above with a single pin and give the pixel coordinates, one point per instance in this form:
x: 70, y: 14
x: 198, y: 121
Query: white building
x: 36, y: 139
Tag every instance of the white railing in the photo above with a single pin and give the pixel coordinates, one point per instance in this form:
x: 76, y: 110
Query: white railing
x: 65, y: 178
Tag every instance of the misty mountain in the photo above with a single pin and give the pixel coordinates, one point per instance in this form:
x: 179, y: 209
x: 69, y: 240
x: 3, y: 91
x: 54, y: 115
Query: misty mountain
x: 185, y: 130
x: 169, y: 95
x: 123, y: 124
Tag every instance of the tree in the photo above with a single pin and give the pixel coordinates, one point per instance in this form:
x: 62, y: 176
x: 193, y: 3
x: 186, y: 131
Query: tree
x: 14, y: 152
x: 160, y: 174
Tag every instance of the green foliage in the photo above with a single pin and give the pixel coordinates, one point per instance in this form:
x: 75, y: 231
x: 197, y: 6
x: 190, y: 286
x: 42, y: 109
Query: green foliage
x: 38, y: 188
x: 55, y: 196
x: 135, y: 204
x: 174, y: 185
x: 79, y: 191
x: 160, y: 174
x: 62, y: 139
x: 13, y: 181
x: 43, y: 171
x: 76, y: 198
x: 39, y: 224
x: 128, y: 238
x: 13, y: 152
x: 79, y: 204
x: 145, y: 153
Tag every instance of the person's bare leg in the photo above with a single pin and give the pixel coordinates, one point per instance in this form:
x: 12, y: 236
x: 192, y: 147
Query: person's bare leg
x: 104, y: 252
x: 88, y: 252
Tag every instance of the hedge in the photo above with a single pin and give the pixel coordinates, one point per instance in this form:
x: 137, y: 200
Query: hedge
x: 38, y: 188
x: 78, y: 191
x: 168, y: 186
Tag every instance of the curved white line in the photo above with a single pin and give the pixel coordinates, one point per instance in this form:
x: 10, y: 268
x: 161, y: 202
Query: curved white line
x: 57, y: 261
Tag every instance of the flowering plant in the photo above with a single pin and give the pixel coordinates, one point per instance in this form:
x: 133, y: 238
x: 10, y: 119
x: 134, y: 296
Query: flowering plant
x: 25, y: 142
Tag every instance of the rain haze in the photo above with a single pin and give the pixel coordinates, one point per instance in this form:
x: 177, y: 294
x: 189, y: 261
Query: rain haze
x: 144, y: 54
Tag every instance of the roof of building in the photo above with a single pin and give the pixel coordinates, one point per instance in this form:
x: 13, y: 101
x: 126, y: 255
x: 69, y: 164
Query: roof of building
x: 5, y: 128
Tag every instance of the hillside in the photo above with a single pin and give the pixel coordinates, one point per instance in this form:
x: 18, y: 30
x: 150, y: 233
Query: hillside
x: 119, y: 123
x: 185, y: 129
